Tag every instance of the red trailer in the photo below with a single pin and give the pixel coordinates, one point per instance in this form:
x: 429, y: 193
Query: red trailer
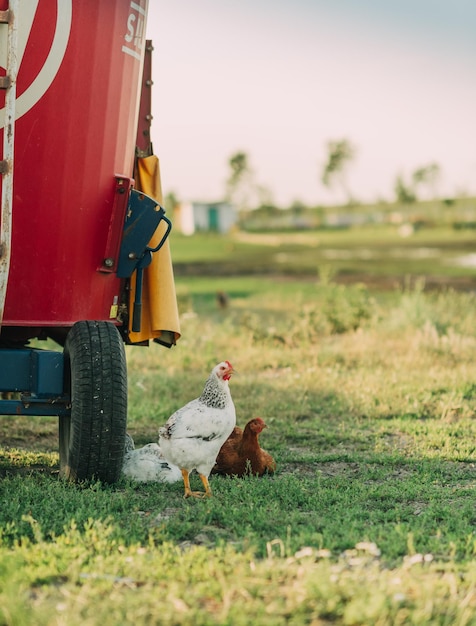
x: 78, y: 230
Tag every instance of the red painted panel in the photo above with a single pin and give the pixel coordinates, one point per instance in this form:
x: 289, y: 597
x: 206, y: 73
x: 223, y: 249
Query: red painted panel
x: 77, y: 106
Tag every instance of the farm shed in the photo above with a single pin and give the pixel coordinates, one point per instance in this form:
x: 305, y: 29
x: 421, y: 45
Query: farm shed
x: 190, y: 217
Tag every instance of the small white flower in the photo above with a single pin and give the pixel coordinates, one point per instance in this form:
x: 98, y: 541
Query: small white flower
x: 303, y: 552
x: 367, y: 546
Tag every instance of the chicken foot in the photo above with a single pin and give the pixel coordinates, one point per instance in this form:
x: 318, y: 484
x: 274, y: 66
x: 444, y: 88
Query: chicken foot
x: 195, y: 494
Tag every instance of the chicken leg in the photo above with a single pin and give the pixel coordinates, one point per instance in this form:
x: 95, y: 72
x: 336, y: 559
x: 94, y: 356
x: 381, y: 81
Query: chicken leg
x: 195, y: 494
x: 208, y: 491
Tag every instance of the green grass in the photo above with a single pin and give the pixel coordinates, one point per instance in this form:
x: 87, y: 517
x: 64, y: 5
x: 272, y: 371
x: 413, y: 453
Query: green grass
x: 370, y: 518
x: 370, y: 253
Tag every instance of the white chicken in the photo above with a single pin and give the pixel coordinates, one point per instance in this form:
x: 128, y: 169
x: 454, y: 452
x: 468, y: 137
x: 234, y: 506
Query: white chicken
x: 147, y: 464
x: 193, y: 435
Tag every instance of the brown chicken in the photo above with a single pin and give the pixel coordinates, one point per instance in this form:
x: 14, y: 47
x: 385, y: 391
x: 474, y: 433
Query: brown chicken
x: 241, y: 453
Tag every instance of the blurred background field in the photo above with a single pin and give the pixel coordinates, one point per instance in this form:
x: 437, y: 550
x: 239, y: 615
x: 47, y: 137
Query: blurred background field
x: 376, y: 255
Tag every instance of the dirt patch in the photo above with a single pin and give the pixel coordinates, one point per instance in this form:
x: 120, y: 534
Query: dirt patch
x: 326, y: 469
x: 343, y: 469
x: 35, y: 434
x: 28, y: 470
x: 33, y: 437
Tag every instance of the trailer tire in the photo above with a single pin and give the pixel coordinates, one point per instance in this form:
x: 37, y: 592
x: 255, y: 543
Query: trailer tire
x: 92, y: 438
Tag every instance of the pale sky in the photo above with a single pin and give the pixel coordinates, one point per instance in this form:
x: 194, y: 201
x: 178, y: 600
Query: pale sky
x: 278, y: 79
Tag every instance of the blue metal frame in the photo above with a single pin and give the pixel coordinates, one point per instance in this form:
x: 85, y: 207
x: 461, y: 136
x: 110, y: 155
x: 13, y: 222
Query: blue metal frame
x: 37, y: 378
x: 142, y: 219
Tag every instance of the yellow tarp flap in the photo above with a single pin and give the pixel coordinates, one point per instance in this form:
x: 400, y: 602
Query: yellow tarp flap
x: 160, y: 319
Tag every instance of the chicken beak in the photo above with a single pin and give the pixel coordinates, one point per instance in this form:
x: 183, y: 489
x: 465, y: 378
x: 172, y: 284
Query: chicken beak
x: 229, y: 371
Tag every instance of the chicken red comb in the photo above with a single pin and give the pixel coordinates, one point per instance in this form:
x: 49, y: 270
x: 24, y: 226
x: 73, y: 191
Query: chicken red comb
x: 229, y: 364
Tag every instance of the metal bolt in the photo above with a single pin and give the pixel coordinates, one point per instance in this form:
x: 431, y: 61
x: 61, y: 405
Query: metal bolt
x: 109, y: 262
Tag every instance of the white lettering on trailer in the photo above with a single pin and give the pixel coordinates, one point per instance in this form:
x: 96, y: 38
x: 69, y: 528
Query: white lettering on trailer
x: 46, y: 75
x: 135, y: 31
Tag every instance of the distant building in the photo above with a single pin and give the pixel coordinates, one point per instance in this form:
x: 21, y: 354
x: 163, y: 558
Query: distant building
x: 190, y: 217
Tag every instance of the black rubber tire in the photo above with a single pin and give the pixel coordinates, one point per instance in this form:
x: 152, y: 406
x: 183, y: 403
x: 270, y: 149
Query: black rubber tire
x: 92, y: 438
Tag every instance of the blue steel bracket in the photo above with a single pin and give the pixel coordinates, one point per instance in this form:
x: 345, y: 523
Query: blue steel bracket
x: 142, y: 219
x: 36, y: 377
x: 28, y: 405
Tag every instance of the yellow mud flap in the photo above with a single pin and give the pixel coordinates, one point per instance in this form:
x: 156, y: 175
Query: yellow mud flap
x: 160, y: 319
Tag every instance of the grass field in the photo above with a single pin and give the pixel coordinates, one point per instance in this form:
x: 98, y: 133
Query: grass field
x: 370, y: 397
x: 376, y: 255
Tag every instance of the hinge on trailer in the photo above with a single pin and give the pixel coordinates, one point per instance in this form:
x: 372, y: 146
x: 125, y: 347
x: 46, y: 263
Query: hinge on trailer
x: 3, y: 167
x: 5, y: 81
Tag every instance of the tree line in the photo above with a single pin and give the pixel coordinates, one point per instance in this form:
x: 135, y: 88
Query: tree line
x: 245, y: 193
x: 341, y: 154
